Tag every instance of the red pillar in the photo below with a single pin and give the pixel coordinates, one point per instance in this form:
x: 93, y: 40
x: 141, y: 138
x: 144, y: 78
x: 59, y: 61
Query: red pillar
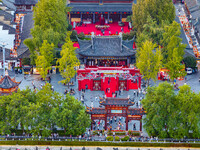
x: 91, y: 85
x: 141, y: 125
x: 105, y: 122
x: 127, y: 122
x: 79, y: 85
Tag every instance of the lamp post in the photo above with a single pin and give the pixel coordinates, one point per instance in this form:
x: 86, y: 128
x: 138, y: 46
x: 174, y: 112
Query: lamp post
x: 3, y: 44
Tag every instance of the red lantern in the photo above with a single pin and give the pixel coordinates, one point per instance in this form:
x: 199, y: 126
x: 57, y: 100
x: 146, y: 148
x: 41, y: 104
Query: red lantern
x: 124, y: 12
x: 87, y: 12
x: 106, y: 12
x: 115, y: 13
x: 96, y: 12
x: 78, y: 12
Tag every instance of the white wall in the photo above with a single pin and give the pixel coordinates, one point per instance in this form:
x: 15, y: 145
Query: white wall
x: 7, y: 38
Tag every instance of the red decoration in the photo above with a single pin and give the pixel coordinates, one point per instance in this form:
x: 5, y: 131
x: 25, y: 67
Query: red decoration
x: 114, y: 12
x: 124, y: 12
x: 106, y: 12
x: 87, y: 12
x: 78, y: 12
x: 96, y: 12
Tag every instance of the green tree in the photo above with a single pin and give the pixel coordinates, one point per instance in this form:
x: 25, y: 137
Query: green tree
x: 50, y: 23
x: 68, y: 60
x: 188, y: 113
x: 148, y: 61
x: 18, y: 108
x: 160, y: 104
x: 51, y: 14
x: 172, y: 40
x: 29, y: 43
x: 158, y: 10
x: 190, y: 62
x: 41, y: 111
x: 45, y: 58
x: 4, y: 122
x: 71, y: 116
x: 176, y: 69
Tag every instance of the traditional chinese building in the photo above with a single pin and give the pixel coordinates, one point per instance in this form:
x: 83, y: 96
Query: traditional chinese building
x: 8, y: 85
x: 106, y: 51
x: 107, y: 62
x: 113, y: 107
x: 91, y: 10
x: 25, y: 5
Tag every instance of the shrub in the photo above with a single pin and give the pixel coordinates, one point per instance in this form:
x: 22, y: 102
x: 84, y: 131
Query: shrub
x: 73, y: 36
x: 117, y: 138
x: 132, y: 133
x: 81, y: 35
x: 110, y: 132
x: 69, y: 28
x: 126, y: 138
x: 120, y: 133
x: 109, y: 138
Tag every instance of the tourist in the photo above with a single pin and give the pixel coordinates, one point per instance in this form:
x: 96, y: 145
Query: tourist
x: 96, y: 98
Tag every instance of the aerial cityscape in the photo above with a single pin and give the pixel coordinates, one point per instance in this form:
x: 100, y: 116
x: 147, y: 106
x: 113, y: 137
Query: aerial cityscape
x: 99, y: 74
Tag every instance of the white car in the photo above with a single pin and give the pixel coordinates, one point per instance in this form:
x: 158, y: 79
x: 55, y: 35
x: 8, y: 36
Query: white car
x: 189, y: 70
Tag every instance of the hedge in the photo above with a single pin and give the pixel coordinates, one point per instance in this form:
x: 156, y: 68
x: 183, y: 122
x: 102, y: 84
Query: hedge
x: 109, y: 138
x: 77, y: 143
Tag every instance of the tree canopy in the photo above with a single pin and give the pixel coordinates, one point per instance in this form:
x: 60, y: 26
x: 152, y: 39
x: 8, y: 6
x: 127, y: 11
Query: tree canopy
x: 148, y: 60
x: 158, y: 10
x: 190, y: 62
x: 68, y: 60
x: 41, y: 112
x: 45, y: 58
x: 50, y: 24
x: 171, y: 115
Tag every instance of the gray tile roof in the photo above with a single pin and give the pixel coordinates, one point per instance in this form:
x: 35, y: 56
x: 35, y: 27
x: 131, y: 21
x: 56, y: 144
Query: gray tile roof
x: 7, y: 54
x: 191, y: 3
x: 188, y: 50
x: 101, y: 8
x: 7, y: 16
x: 27, y: 25
x: 7, y: 83
x: 25, y: 2
x: 7, y: 27
x: 106, y: 46
x: 184, y: 40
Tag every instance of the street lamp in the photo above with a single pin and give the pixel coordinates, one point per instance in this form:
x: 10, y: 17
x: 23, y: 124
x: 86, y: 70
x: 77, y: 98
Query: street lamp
x: 3, y: 44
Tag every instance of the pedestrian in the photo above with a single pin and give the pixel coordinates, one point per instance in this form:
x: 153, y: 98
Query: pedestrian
x: 119, y: 92
x: 96, y: 99
x: 137, y: 93
x: 116, y: 94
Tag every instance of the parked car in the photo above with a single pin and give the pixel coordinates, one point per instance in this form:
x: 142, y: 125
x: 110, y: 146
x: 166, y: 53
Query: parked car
x: 189, y: 70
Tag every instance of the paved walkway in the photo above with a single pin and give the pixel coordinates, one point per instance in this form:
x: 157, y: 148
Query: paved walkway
x: 86, y: 148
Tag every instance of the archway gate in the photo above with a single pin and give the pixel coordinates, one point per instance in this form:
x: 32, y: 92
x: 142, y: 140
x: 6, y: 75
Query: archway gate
x: 116, y: 107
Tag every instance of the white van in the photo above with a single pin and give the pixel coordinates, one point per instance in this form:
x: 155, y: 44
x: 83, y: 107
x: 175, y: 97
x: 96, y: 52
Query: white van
x: 189, y: 70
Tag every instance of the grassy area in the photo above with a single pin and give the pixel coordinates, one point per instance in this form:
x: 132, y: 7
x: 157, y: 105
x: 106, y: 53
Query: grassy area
x: 77, y: 143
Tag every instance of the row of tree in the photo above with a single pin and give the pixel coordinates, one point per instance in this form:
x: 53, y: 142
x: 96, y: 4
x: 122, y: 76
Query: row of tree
x: 51, y: 31
x: 172, y: 115
x: 41, y: 112
x: 158, y: 39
